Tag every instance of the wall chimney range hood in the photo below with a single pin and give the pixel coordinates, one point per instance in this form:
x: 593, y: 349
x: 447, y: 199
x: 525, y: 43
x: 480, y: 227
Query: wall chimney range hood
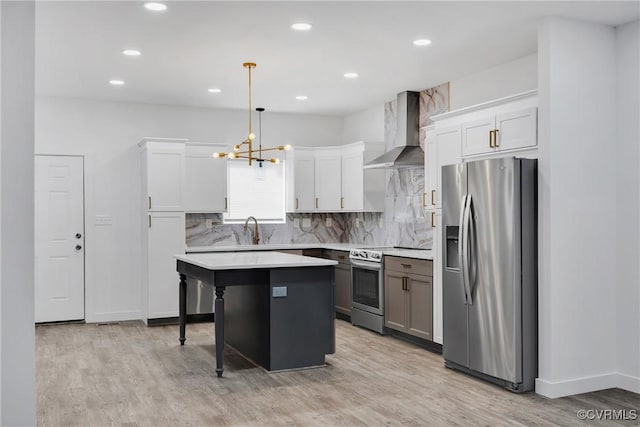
x: 408, y: 153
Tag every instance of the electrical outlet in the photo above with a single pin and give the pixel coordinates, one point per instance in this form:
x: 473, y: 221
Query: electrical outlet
x: 104, y: 220
x: 328, y: 222
x: 208, y: 223
x: 296, y: 222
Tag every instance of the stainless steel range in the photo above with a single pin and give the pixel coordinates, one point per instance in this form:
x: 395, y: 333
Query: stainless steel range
x: 367, y: 281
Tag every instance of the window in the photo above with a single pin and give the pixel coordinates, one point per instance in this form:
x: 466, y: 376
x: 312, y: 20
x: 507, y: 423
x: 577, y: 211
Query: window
x: 255, y: 191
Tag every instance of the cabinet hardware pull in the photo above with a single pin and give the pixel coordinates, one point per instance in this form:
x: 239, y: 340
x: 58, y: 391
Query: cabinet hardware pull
x: 406, y: 265
x: 424, y: 203
x: 149, y: 221
x: 495, y: 138
x: 296, y: 203
x: 341, y: 202
x: 433, y: 197
x: 433, y: 220
x: 341, y: 256
x: 316, y: 203
x: 406, y: 284
x: 403, y: 283
x: 225, y: 204
x: 491, y: 138
x: 149, y: 202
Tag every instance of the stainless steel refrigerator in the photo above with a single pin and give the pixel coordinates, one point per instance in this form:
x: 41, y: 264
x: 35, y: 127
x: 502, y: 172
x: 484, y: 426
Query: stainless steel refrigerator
x: 489, y: 270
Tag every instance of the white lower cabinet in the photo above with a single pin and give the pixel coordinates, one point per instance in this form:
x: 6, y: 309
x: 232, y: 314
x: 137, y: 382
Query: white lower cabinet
x: 437, y: 277
x: 164, y: 238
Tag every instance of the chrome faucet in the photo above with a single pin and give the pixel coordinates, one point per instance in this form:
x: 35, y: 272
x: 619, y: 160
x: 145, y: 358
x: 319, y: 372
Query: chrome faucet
x: 256, y: 233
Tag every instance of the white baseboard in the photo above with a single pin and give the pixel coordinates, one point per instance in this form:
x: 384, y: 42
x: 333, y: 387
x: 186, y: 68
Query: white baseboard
x: 115, y: 316
x: 629, y: 383
x: 557, y: 389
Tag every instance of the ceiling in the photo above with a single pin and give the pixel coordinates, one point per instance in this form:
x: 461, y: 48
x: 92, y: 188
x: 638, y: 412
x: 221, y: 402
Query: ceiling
x: 193, y: 46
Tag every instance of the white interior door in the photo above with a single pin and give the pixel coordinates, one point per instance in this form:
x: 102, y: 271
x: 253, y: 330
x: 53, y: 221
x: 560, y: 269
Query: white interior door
x: 59, y: 238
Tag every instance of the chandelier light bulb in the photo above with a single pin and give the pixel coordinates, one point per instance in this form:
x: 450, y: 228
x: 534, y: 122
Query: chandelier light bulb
x: 232, y: 155
x: 276, y: 161
x: 252, y: 136
x: 216, y: 155
x: 287, y: 147
x: 236, y: 147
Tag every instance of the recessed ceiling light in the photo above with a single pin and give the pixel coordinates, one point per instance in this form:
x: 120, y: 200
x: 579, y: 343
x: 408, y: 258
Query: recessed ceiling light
x: 156, y: 7
x: 116, y: 82
x: 422, y: 42
x: 351, y: 75
x: 131, y: 52
x: 301, y: 26
x: 214, y: 90
x: 302, y: 97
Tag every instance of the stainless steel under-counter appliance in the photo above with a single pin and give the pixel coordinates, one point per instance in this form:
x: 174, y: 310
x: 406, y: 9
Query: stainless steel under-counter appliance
x: 367, y: 293
x: 490, y: 270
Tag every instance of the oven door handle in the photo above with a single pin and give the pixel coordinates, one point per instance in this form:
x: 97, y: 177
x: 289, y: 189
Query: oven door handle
x: 377, y: 266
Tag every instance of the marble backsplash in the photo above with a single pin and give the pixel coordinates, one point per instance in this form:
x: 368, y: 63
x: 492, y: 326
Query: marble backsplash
x: 361, y: 228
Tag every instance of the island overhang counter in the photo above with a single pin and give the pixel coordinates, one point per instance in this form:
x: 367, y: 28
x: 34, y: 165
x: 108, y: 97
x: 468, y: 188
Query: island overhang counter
x: 276, y: 309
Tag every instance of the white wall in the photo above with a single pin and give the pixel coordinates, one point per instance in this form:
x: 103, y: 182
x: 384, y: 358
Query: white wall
x: 503, y: 80
x: 367, y: 125
x: 106, y: 133
x: 497, y: 82
x: 577, y: 229
x: 628, y: 206
x: 17, y: 335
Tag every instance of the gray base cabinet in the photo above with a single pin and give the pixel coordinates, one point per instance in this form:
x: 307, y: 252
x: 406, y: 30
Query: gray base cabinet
x: 342, y: 280
x: 408, y: 291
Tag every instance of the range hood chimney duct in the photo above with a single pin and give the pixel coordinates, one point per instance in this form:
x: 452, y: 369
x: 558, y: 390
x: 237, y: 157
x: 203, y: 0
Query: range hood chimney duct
x: 407, y: 153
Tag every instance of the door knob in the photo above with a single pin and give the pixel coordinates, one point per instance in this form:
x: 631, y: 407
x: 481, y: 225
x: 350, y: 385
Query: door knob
x: 78, y: 247
x: 78, y: 235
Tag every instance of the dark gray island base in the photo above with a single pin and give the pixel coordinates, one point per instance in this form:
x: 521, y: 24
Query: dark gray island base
x: 279, y: 317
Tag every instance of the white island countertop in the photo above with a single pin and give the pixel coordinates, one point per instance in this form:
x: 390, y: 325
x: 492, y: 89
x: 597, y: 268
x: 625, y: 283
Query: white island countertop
x: 251, y: 260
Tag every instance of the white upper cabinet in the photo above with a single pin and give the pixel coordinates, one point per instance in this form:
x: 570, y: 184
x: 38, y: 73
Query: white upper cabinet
x: 300, y: 180
x: 477, y: 136
x: 516, y: 129
x: 163, y: 170
x: 352, y: 163
x: 328, y: 180
x: 443, y: 147
x: 333, y: 179
x: 500, y: 126
x: 206, y: 178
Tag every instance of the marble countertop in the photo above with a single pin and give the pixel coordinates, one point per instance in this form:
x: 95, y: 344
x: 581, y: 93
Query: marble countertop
x: 408, y: 253
x: 276, y: 247
x: 251, y: 260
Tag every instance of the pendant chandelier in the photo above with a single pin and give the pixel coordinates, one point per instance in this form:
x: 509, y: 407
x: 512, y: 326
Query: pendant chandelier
x: 249, y: 153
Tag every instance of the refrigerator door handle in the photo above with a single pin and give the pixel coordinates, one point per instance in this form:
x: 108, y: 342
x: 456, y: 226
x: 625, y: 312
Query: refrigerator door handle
x: 461, y: 242
x: 472, y: 259
x: 465, y: 250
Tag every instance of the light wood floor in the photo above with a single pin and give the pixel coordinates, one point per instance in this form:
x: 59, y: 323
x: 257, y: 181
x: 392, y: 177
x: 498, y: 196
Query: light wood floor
x: 129, y: 374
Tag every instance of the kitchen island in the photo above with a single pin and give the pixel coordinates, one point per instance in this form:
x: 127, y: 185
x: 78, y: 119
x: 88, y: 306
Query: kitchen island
x: 279, y: 307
